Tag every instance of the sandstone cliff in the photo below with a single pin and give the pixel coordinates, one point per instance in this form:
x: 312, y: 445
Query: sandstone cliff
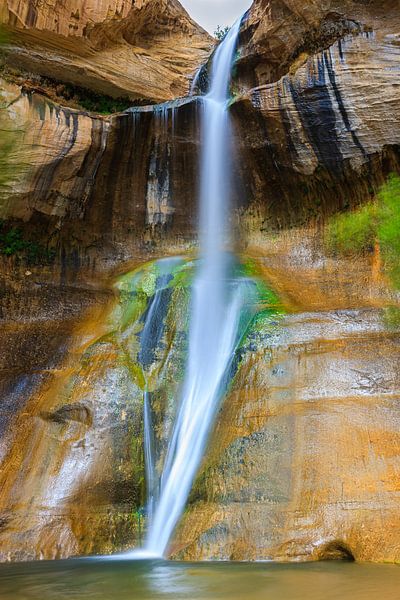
x: 143, y: 50
x: 304, y: 462
x: 320, y: 138
x: 64, y: 18
x: 277, y: 35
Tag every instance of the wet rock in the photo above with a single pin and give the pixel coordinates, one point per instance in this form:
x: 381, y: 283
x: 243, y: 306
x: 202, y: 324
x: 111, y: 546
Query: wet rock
x: 101, y: 186
x: 320, y: 139
x: 313, y: 138
x: 306, y: 449
x: 85, y: 491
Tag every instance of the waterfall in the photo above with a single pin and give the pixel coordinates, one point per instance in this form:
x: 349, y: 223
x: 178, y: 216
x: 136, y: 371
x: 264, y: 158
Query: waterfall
x: 149, y: 338
x: 148, y: 440
x: 216, y: 308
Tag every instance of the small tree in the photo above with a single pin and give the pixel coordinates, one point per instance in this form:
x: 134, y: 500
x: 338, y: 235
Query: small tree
x: 221, y: 32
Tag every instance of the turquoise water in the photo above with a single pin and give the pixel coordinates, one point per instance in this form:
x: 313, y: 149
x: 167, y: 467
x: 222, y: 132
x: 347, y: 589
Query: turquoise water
x: 144, y: 580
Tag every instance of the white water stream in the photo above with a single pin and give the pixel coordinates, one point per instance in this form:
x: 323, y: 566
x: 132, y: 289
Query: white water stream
x: 214, y: 318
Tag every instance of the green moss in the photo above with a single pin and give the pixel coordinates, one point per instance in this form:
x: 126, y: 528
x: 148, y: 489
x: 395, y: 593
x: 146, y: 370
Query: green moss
x: 136, y: 373
x: 135, y: 289
x: 353, y: 232
x: 359, y: 230
x: 182, y: 275
x: 388, y: 230
x: 266, y: 297
x: 260, y: 311
x: 378, y: 222
x: 392, y: 317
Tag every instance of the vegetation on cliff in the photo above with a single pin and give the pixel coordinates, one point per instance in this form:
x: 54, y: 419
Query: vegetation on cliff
x: 374, y: 227
x: 67, y: 94
x: 376, y: 223
x: 353, y: 232
x: 388, y: 230
x: 13, y: 243
x: 221, y: 32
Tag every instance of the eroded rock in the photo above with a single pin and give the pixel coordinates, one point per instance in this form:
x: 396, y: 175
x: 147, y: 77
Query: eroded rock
x: 305, y: 450
x: 145, y: 50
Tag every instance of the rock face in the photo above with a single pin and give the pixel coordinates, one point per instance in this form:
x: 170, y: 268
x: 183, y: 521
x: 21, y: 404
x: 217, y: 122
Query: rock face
x: 304, y: 463
x: 305, y: 452
x: 144, y: 50
x: 101, y: 186
x: 321, y: 139
x: 68, y: 486
x: 73, y: 478
x: 317, y: 86
x: 278, y: 34
x: 64, y: 18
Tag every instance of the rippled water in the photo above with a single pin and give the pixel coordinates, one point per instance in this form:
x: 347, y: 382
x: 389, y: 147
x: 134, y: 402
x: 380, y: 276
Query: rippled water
x: 143, y: 580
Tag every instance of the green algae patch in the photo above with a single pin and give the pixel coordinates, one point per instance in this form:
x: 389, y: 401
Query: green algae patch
x: 134, y: 291
x: 143, y: 354
x: 388, y: 231
x: 267, y: 299
x: 148, y: 342
x: 267, y: 306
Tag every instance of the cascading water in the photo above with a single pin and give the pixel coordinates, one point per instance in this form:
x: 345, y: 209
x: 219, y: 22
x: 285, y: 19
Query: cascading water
x: 149, y: 338
x: 215, y: 314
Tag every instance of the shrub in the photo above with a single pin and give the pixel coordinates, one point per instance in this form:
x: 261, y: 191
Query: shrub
x: 221, y: 32
x: 12, y: 243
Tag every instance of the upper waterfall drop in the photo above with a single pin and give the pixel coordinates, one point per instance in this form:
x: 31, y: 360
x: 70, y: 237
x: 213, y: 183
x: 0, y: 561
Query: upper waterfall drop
x: 215, y: 311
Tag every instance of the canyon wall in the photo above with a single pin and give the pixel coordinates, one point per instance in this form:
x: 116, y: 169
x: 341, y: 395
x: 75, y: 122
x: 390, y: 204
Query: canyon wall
x: 143, y: 50
x: 304, y: 461
x: 320, y: 138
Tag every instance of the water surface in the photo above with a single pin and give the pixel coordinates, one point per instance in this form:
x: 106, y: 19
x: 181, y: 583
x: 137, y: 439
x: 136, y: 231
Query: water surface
x: 153, y: 580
